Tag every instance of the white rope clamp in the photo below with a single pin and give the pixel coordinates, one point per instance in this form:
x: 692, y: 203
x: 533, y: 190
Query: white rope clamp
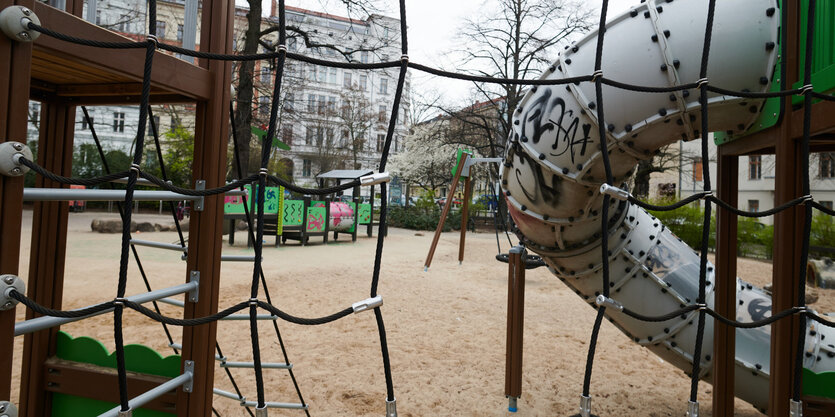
x: 367, y: 304
x: 614, y: 192
x: 135, y: 167
x: 806, y: 89
x: 705, y: 194
x: 153, y: 39
x: 119, y: 301
x: 374, y: 179
x: 595, y: 75
x: 263, y: 172
x: 808, y: 197
x: 281, y: 48
x: 404, y: 58
x: 701, y: 82
x: 702, y: 306
x: 604, y: 301
x: 253, y: 301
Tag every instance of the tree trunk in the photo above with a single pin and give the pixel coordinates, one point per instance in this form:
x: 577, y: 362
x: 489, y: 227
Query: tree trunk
x: 244, y: 97
x: 642, y: 178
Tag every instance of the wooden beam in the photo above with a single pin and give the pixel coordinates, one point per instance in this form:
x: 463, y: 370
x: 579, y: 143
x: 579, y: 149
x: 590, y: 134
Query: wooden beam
x: 724, y: 336
x: 822, y: 120
x: 15, y: 61
x: 205, y: 232
x: 102, y: 384
x: 465, y: 211
x: 48, y: 253
x: 169, y: 73
x: 515, y: 322
x: 788, y: 230
x: 444, y: 212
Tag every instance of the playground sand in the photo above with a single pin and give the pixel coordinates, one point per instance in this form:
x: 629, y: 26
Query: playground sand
x: 446, y: 328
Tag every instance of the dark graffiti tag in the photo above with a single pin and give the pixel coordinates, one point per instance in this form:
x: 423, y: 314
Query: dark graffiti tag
x: 565, y: 126
x: 550, y: 194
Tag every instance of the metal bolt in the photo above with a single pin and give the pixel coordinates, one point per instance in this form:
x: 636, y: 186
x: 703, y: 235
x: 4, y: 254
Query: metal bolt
x: 24, y: 36
x: 8, y: 280
x: 2, y: 408
x: 15, y: 171
x: 18, y: 146
x: 7, y: 306
x: 25, y: 11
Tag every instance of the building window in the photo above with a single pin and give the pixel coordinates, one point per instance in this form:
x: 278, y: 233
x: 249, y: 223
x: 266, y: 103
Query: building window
x: 827, y: 165
x: 152, y: 124
x: 332, y: 76
x: 346, y: 79
x: 265, y: 75
x: 755, y: 164
x: 384, y: 85
x: 287, y: 135
x: 753, y: 206
x: 308, y: 135
x: 311, y: 102
x: 381, y: 113
x: 180, y: 33
x: 291, y: 43
x: 697, y: 169
x: 827, y: 204
x: 118, y: 122
x: 160, y: 29
x: 332, y: 105
x: 124, y: 23
x: 306, y: 168
x: 174, y: 122
x: 364, y: 57
x: 84, y: 125
x: 322, y: 75
x: 264, y: 105
x: 381, y: 141
x: 323, y: 101
x: 363, y: 82
x: 98, y: 17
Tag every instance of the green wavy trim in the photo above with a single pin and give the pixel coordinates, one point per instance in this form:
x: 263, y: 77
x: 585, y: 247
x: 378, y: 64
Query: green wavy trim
x: 819, y: 385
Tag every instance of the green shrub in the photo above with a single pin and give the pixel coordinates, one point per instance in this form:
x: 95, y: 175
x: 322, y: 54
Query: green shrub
x: 686, y: 223
x: 417, y: 218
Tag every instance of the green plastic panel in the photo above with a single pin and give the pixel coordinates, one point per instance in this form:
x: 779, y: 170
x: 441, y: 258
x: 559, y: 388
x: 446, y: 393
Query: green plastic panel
x: 315, y: 219
x: 293, y: 212
x: 364, y: 213
x: 823, y: 47
x: 138, y: 358
x: 458, y: 160
x: 315, y: 203
x: 819, y: 385
x: 353, y: 207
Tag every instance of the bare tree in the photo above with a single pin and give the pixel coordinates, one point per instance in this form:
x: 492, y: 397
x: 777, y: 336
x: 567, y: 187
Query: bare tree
x: 356, y: 117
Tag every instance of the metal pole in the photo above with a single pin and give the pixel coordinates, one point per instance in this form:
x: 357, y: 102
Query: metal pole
x: 184, y: 379
x: 47, y: 322
x: 68, y: 194
x: 277, y: 405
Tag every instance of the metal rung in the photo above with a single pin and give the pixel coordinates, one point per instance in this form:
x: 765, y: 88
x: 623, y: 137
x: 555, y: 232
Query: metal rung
x: 238, y: 258
x: 179, y: 346
x: 158, y: 245
x: 172, y: 302
x: 267, y: 365
x: 185, y: 380
x: 294, y: 406
x: 230, y: 395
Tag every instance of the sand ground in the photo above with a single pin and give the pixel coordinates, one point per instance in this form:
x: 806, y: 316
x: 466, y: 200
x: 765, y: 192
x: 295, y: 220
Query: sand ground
x: 446, y: 328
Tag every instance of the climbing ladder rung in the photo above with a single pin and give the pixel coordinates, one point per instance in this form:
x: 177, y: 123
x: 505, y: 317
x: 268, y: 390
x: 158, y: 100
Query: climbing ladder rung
x: 230, y: 395
x: 237, y: 258
x: 239, y: 317
x: 172, y: 302
x: 294, y: 406
x: 179, y: 346
x: 267, y: 365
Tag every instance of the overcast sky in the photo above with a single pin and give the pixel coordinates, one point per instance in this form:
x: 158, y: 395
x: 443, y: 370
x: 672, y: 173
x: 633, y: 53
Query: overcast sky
x: 433, y: 25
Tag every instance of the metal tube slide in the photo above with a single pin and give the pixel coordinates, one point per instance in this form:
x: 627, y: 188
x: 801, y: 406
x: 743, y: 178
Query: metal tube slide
x: 554, y: 169
x: 47, y: 322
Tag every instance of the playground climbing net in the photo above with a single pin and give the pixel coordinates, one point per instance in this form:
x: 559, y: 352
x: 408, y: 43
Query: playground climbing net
x: 609, y: 191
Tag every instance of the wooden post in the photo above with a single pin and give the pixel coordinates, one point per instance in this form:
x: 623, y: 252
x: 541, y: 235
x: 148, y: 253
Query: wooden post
x: 444, y: 212
x: 15, y: 64
x: 206, y: 229
x: 788, y: 228
x: 724, y: 340
x: 303, y: 231
x: 327, y: 218
x: 371, y: 217
x: 356, y: 214
x: 515, y: 324
x: 465, y: 210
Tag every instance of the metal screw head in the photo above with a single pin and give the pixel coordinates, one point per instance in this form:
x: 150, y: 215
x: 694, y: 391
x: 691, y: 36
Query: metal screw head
x: 7, y: 306
x: 27, y: 12
x: 2, y: 408
x: 8, y: 280
x: 24, y: 36
x: 16, y: 171
x: 17, y: 146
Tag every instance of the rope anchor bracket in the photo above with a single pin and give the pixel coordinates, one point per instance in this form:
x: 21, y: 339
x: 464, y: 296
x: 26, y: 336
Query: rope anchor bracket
x: 374, y: 179
x: 199, y: 185
x: 9, y: 282
x: 8, y: 409
x: 14, y: 22
x: 194, y: 295
x: 10, y: 154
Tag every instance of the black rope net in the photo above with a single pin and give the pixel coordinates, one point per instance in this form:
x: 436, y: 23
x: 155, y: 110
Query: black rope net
x: 254, y: 303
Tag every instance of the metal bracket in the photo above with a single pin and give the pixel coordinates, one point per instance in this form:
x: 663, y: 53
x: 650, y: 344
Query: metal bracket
x: 194, y: 295
x: 692, y: 409
x: 14, y: 22
x: 585, y: 406
x: 10, y: 153
x: 126, y: 413
x: 188, y: 368
x: 261, y: 412
x: 198, y: 204
x: 614, y: 192
x: 465, y: 172
x: 10, y: 282
x: 374, y: 179
x: 367, y: 304
x: 601, y: 300
x: 391, y: 408
x: 7, y: 409
x: 795, y: 408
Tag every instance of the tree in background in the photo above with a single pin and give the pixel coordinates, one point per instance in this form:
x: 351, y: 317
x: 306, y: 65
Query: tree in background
x: 429, y: 157
x: 356, y: 117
